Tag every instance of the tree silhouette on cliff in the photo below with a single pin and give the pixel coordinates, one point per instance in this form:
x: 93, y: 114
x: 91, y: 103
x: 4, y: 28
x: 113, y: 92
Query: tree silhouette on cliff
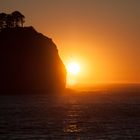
x: 18, y: 19
x: 15, y: 19
x: 3, y: 17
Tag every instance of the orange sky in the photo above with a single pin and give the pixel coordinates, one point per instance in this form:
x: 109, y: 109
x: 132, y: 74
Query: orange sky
x: 103, y: 36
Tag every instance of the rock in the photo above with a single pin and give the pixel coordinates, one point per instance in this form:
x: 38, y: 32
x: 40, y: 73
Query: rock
x: 29, y: 62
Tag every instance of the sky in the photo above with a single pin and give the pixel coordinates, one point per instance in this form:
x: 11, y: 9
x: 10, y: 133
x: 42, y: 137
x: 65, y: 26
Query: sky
x: 102, y: 36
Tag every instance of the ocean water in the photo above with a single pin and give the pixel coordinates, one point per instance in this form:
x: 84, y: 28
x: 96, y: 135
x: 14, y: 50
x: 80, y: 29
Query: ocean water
x: 81, y: 116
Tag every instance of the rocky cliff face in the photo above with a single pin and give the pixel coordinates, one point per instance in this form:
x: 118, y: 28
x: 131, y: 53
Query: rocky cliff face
x: 29, y: 61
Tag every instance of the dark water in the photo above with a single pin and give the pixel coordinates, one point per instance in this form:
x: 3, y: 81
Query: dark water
x: 70, y: 117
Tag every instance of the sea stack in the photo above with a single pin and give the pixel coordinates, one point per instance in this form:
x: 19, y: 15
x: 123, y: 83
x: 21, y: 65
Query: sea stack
x: 29, y: 62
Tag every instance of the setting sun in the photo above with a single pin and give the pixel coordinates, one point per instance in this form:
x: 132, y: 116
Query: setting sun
x: 73, y: 68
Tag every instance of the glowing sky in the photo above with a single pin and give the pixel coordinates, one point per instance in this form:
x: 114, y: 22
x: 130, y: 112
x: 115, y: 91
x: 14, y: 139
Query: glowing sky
x: 102, y: 35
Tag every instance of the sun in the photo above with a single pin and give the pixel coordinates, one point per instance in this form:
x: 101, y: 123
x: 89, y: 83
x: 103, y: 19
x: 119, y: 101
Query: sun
x: 73, y: 68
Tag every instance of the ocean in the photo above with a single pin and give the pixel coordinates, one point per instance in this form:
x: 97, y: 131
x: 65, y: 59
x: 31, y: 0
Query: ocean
x: 86, y: 115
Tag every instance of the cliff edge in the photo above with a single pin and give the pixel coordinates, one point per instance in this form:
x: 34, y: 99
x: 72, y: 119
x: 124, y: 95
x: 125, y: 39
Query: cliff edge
x: 29, y: 61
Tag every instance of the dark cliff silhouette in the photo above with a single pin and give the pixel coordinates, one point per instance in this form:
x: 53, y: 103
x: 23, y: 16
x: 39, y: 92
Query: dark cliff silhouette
x: 29, y: 61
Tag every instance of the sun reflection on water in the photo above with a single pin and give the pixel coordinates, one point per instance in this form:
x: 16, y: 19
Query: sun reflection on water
x: 71, y: 124
x: 71, y: 128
